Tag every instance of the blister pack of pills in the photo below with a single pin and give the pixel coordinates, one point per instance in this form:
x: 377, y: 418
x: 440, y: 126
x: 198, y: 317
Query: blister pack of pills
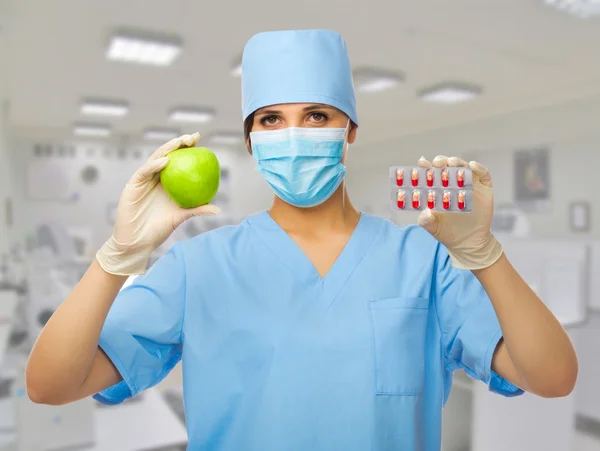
x: 447, y: 189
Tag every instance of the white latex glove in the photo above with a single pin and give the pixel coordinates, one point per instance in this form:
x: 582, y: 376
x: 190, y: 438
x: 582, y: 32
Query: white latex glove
x: 467, y: 236
x: 146, y: 215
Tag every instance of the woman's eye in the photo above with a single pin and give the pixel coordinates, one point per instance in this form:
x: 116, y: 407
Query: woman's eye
x: 318, y: 117
x: 270, y: 120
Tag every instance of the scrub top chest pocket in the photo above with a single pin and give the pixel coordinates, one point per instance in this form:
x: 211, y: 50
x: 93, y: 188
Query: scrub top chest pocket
x: 399, y: 334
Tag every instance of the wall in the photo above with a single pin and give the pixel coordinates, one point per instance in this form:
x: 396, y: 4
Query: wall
x: 571, y: 132
x: 252, y: 194
x: 5, y: 179
x: 5, y: 167
x: 369, y: 185
x: 89, y: 211
x: 588, y: 392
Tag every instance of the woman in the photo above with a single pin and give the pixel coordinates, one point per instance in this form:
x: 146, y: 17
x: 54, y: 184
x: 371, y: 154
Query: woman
x: 310, y: 326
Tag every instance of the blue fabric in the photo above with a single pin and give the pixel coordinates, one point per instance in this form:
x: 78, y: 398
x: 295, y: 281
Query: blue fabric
x: 302, y: 66
x: 276, y: 357
x: 301, y: 165
x: 144, y: 351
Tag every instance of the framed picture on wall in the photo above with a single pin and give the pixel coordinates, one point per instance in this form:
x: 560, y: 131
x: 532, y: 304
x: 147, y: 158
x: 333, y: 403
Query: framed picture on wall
x: 579, y: 216
x: 532, y: 179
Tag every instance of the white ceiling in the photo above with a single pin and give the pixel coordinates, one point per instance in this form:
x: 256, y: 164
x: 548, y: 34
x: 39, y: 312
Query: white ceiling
x: 521, y: 52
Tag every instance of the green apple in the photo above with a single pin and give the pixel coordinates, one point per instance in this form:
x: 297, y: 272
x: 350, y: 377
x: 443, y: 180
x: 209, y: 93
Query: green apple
x: 192, y: 176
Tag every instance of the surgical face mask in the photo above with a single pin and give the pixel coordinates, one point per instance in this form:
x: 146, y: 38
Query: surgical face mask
x: 302, y: 165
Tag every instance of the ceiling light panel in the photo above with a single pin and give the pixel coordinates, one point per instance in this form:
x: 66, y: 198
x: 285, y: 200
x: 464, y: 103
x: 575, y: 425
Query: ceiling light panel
x: 373, y: 80
x: 160, y: 134
x: 99, y: 131
x: 450, y: 93
x: 192, y: 115
x: 92, y: 107
x: 143, y: 49
x: 577, y: 8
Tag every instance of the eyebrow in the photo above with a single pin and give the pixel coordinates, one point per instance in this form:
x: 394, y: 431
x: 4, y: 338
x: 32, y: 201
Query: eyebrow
x: 317, y: 107
x: 305, y: 110
x: 267, y: 112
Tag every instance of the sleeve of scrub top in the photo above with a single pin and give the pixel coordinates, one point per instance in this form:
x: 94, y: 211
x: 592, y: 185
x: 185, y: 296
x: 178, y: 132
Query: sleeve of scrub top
x: 470, y: 327
x: 142, y: 333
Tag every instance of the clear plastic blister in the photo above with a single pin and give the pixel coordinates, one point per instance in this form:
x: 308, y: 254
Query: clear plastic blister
x: 447, y: 189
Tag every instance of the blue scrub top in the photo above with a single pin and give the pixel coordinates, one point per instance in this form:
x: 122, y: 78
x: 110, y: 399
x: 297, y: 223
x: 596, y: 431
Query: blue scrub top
x: 275, y: 357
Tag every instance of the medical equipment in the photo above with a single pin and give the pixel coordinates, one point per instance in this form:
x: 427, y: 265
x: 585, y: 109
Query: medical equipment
x: 12, y: 272
x: 447, y: 189
x: 53, y: 269
x: 558, y: 272
x: 148, y: 422
x: 5, y: 271
x: 48, y: 428
x: 13, y: 283
x: 8, y: 308
x: 534, y: 423
x: 510, y: 222
x: 594, y: 294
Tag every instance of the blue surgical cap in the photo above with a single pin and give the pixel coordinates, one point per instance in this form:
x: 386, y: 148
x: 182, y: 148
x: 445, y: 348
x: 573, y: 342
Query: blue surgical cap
x: 305, y: 66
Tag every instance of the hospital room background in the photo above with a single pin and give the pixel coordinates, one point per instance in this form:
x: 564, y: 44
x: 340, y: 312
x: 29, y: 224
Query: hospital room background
x: 89, y: 89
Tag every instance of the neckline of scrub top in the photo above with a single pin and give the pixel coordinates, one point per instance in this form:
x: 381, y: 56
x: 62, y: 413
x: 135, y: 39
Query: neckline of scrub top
x: 287, y: 251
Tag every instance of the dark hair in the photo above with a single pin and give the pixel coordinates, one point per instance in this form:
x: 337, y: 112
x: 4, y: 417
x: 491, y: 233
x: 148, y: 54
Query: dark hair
x: 248, y: 123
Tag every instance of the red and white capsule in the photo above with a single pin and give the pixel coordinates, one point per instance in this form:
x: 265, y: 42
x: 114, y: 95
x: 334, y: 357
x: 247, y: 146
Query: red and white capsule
x: 400, y: 177
x: 429, y: 177
x: 416, y: 199
x: 460, y: 178
x: 446, y: 200
x: 445, y: 178
x: 414, y: 177
x: 461, y: 200
x: 431, y: 200
x: 401, y: 199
